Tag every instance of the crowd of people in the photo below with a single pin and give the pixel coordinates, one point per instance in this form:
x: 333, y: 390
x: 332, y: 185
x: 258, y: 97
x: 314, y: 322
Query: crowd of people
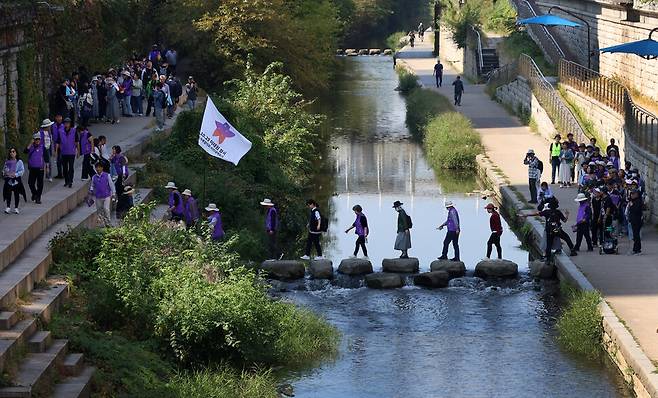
x: 610, y: 196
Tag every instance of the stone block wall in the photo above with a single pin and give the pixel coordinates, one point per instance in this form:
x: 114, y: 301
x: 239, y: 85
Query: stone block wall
x: 647, y: 164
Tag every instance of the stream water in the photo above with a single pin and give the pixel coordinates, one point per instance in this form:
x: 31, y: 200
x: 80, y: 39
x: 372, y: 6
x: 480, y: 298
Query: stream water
x: 473, y: 339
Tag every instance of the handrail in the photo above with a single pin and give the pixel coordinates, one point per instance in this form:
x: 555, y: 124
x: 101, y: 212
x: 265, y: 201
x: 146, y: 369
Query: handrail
x: 503, y: 75
x: 479, y: 54
x: 641, y: 124
x: 561, y: 115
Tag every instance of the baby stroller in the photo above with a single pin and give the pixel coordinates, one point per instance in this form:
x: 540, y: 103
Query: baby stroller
x: 609, y: 245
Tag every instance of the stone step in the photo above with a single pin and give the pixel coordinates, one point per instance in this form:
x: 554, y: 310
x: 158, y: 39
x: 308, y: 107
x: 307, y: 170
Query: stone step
x: 355, y: 266
x: 45, y: 301
x: 73, y: 364
x: 36, y: 372
x: 384, y: 280
x: 496, y: 269
x: 455, y: 269
x: 12, y: 340
x: 75, y: 386
x: 284, y: 269
x: 8, y: 319
x: 321, y: 269
x: 40, y: 341
x: 402, y: 265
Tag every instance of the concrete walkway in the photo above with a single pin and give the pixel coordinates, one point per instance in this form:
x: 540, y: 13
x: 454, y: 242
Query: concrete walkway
x: 628, y: 283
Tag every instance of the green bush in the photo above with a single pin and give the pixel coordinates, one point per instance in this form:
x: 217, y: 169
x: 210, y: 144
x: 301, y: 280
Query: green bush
x: 580, y: 326
x: 225, y: 382
x: 422, y: 105
x: 460, y: 19
x: 395, y: 42
x: 451, y: 143
x: 519, y: 42
x: 408, y: 81
x: 501, y: 18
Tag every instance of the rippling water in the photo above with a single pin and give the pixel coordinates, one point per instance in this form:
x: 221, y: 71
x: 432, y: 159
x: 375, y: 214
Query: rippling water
x: 473, y: 339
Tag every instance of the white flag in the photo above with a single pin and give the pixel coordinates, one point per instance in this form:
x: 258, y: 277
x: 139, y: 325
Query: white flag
x: 219, y: 138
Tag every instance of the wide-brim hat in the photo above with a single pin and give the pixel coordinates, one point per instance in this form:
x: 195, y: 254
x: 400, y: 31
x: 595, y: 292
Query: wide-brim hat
x: 171, y: 185
x: 127, y: 190
x: 212, y: 207
x: 580, y: 197
x: 47, y: 123
x: 449, y: 204
x: 267, y: 202
x: 187, y: 192
x: 397, y: 203
x: 532, y: 151
x: 36, y: 136
x: 490, y: 206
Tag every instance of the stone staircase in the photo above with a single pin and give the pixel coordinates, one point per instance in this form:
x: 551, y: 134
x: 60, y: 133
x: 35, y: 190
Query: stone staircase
x: 490, y: 61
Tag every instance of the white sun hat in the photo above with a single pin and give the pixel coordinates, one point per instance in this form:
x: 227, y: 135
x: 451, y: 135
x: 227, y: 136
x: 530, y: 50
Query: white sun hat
x: 171, y: 185
x: 581, y: 197
x: 212, y: 207
x: 267, y: 202
x: 187, y: 192
x: 47, y: 123
x: 449, y: 204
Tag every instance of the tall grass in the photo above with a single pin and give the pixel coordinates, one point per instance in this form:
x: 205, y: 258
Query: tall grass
x: 422, y: 105
x: 397, y: 40
x: 451, y: 142
x: 407, y: 80
x: 580, y: 325
x: 224, y: 382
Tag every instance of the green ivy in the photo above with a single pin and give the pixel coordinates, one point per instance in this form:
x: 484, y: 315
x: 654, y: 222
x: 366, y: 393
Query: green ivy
x: 11, y: 128
x: 31, y: 102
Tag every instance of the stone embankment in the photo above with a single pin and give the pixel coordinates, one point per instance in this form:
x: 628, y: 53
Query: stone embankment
x: 351, y: 52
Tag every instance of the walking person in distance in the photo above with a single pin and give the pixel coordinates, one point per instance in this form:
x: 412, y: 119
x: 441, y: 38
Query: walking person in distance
x: 496, y: 228
x: 403, y: 238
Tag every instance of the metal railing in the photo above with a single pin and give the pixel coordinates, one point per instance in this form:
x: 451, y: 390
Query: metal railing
x: 480, y: 59
x: 503, y: 75
x: 641, y: 125
x: 563, y: 119
x: 539, y: 33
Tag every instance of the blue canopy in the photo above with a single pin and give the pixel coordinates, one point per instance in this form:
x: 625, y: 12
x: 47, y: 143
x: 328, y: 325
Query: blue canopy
x: 548, y: 20
x: 647, y: 48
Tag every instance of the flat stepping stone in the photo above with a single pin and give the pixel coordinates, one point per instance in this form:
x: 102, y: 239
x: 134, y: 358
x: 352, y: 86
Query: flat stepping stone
x: 432, y: 279
x: 321, y: 269
x: 402, y: 265
x: 384, y: 280
x: 284, y: 270
x: 455, y: 269
x: 541, y: 269
x: 496, y: 269
x: 355, y: 266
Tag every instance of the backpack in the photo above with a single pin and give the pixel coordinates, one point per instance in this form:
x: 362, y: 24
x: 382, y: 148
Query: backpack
x: 409, y: 223
x: 324, y: 224
x: 540, y: 166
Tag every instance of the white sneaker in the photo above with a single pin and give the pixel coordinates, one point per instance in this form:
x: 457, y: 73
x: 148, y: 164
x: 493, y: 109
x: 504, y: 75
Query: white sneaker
x: 319, y: 258
x: 305, y: 257
x: 352, y: 256
x: 270, y: 259
x: 50, y: 179
x: 16, y: 211
x: 366, y: 258
x: 84, y: 179
x: 7, y: 210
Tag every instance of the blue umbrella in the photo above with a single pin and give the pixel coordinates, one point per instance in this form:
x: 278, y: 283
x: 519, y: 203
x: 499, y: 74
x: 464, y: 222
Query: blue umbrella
x: 548, y: 20
x: 647, y: 48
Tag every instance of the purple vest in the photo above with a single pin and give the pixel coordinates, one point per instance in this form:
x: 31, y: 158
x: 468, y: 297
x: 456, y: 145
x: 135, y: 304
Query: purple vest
x: 35, y: 157
x: 118, y: 162
x: 357, y: 225
x: 452, y: 216
x: 10, y: 166
x: 271, y: 214
x: 67, y: 141
x: 178, y: 210
x: 101, y: 184
x: 584, y: 213
x: 218, y: 229
x: 56, y: 130
x: 85, y: 145
x: 191, y: 211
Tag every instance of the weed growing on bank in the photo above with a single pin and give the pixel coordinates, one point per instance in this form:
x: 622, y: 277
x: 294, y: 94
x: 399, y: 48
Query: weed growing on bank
x: 397, y: 40
x: 408, y: 81
x: 422, y: 105
x: 451, y: 142
x: 580, y: 325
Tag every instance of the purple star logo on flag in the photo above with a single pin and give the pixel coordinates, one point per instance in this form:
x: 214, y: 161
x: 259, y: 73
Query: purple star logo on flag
x: 222, y: 131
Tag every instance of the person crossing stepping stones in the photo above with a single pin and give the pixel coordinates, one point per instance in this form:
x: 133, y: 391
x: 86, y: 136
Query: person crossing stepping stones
x: 362, y: 230
x: 403, y: 238
x: 452, y: 222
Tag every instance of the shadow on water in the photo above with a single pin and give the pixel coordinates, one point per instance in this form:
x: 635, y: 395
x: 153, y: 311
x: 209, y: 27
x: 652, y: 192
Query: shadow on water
x: 475, y: 338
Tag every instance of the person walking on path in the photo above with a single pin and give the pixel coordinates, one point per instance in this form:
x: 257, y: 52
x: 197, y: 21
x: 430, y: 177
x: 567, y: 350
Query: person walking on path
x: 69, y: 147
x: 412, y: 39
x: 190, y: 209
x: 120, y: 166
x: 314, y: 230
x: 595, y: 226
x: 452, y: 222
x: 56, y: 130
x: 102, y: 190
x: 86, y: 148
x: 136, y: 96
x: 566, y: 161
x: 159, y: 105
x: 125, y: 202
x: 459, y: 90
x: 191, y: 93
x: 271, y: 227
x: 496, y: 228
x: 583, y: 220
x: 403, y: 238
x: 47, y: 142
x: 438, y: 73
x: 12, y: 172
x: 112, y: 101
x: 635, y: 207
x: 175, y: 202
x: 554, y: 152
x: 534, y: 174
x: 35, y: 164
x: 215, y: 221
x: 421, y: 32
x: 361, y: 229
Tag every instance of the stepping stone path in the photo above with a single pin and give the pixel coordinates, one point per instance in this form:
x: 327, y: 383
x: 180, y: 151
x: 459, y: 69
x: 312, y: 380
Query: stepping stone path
x: 401, y: 265
x: 455, y: 269
x: 541, y: 269
x: 384, y: 280
x: 355, y: 266
x: 432, y: 279
x: 496, y: 269
x: 284, y: 270
x: 321, y: 269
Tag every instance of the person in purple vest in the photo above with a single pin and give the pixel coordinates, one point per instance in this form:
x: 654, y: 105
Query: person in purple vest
x: 48, y: 143
x: 452, y: 223
x: 56, y: 130
x: 120, y: 165
x: 69, y: 146
x: 102, y: 190
x: 86, y: 147
x: 271, y: 228
x: 12, y: 172
x: 36, y: 164
x: 190, y: 209
x: 361, y: 228
x: 215, y: 221
x: 175, y: 201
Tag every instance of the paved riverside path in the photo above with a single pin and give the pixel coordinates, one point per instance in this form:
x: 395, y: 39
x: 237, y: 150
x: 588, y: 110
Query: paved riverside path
x: 628, y: 283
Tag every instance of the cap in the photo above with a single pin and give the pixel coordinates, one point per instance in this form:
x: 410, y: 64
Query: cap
x: 36, y: 136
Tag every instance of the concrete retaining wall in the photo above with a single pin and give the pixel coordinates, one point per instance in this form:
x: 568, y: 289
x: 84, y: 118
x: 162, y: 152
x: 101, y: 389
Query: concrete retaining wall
x: 647, y: 164
x: 461, y: 59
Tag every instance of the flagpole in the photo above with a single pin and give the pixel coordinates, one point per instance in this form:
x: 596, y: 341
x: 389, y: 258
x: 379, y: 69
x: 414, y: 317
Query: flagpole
x: 205, y: 166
